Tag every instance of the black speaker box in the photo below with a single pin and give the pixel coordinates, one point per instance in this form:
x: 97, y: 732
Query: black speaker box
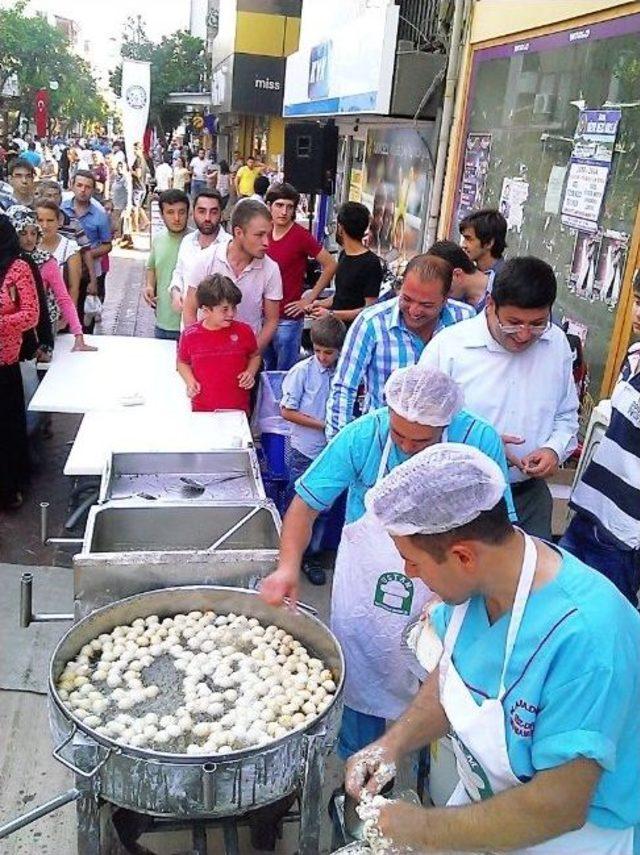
x: 310, y: 156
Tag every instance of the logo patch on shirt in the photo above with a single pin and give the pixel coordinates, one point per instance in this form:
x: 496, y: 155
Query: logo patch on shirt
x: 522, y: 718
x: 233, y: 337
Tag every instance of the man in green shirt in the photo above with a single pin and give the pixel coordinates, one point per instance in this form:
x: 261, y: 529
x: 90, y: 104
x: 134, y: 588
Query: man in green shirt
x: 174, y: 207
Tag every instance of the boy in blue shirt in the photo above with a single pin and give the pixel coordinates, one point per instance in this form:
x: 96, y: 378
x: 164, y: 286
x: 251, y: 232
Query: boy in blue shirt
x: 305, y: 391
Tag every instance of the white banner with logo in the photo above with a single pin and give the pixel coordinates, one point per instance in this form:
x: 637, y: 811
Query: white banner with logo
x: 136, y: 87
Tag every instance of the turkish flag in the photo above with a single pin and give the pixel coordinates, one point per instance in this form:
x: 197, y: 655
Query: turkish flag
x: 42, y: 112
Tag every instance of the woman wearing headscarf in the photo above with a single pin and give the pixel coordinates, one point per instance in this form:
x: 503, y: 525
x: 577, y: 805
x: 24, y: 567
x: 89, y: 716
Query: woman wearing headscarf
x: 18, y: 314
x: 59, y: 301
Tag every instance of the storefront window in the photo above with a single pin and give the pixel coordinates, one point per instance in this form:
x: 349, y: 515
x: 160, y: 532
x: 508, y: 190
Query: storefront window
x: 527, y: 149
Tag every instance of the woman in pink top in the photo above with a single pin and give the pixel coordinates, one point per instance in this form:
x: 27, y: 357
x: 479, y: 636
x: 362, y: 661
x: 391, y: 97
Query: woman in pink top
x: 58, y: 298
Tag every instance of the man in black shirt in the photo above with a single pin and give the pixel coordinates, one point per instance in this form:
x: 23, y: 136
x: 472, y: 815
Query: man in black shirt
x: 359, y: 271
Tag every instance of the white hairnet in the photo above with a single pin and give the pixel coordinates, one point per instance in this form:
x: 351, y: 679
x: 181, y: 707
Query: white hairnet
x: 443, y: 487
x: 424, y: 395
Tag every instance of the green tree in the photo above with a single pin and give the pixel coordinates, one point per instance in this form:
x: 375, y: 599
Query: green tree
x: 36, y: 53
x: 177, y: 65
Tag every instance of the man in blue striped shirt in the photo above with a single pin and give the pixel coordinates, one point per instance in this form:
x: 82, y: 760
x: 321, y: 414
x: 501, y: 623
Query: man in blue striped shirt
x: 392, y: 335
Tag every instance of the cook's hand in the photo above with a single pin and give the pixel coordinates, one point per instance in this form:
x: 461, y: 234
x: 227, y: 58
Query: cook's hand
x: 397, y: 820
x: 149, y: 295
x: 92, y: 289
x: 512, y: 459
x: 370, y: 769
x: 280, y: 585
x: 193, y: 389
x: 296, y: 308
x: 541, y: 463
x: 176, y: 300
x: 80, y: 345
x: 246, y: 380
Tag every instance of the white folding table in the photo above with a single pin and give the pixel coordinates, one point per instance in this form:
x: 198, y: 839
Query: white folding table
x: 132, y: 429
x: 125, y: 373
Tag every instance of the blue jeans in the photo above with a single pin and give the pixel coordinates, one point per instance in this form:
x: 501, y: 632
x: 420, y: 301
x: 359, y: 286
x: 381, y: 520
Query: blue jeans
x: 592, y: 545
x: 284, y: 348
x: 298, y: 465
x: 357, y: 730
x: 170, y: 335
x: 197, y: 185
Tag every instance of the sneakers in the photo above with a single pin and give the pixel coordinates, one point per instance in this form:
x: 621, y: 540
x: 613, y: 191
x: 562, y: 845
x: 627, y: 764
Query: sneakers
x: 313, y: 570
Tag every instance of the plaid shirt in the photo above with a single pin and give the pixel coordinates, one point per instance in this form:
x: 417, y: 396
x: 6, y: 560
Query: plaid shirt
x: 377, y: 343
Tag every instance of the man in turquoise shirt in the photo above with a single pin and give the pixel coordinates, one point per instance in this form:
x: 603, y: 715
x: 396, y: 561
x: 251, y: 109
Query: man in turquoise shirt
x: 424, y: 408
x: 533, y: 672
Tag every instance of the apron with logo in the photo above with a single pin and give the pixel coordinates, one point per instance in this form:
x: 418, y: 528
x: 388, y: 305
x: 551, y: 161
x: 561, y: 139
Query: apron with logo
x: 371, y: 603
x: 479, y: 736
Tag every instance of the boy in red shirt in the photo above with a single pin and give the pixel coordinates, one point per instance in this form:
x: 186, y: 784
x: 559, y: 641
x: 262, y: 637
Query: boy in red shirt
x: 218, y: 357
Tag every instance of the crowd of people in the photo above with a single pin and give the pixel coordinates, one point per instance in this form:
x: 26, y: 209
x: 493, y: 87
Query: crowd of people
x: 441, y: 407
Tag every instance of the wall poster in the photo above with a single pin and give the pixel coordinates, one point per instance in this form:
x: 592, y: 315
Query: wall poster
x: 589, y: 168
x: 477, y: 155
x: 394, y: 188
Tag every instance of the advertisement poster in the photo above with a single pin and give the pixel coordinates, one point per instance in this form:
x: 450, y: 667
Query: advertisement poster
x: 610, y: 267
x: 474, y: 173
x: 582, y: 281
x: 553, y: 197
x: 514, y: 194
x: 589, y: 167
x: 394, y: 188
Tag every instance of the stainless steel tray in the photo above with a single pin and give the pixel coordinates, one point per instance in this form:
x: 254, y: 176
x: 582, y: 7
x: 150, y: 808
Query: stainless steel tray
x: 224, y: 475
x: 135, y: 546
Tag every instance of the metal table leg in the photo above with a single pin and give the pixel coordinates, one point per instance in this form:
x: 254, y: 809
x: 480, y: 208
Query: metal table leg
x: 89, y: 826
x: 230, y: 835
x: 311, y: 799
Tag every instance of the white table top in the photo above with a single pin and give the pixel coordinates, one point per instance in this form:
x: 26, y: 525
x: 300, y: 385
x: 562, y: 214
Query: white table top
x: 122, y: 369
x: 140, y: 429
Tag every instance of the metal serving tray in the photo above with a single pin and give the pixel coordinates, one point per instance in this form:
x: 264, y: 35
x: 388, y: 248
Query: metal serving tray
x: 136, y: 546
x: 224, y: 475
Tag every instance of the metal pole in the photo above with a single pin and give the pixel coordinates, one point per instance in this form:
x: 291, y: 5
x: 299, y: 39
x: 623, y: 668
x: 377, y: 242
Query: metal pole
x: 453, y: 67
x: 27, y: 818
x: 44, y: 514
x: 26, y: 599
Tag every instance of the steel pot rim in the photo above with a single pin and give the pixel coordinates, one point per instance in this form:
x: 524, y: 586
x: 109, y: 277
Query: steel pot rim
x: 161, y: 757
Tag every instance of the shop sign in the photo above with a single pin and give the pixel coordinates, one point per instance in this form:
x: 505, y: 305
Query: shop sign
x: 258, y: 84
x: 349, y: 73
x: 589, y: 168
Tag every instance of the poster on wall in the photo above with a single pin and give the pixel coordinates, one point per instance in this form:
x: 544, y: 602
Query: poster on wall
x: 394, y: 188
x: 515, y: 192
x: 610, y: 267
x: 477, y: 154
x: 582, y: 281
x: 589, y: 168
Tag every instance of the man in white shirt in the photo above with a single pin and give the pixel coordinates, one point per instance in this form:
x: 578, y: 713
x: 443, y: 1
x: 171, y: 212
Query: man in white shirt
x: 199, y: 168
x: 207, y: 210
x: 245, y: 262
x: 515, y: 368
x: 164, y: 177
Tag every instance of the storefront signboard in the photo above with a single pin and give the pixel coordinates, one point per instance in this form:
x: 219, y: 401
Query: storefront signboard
x: 349, y: 71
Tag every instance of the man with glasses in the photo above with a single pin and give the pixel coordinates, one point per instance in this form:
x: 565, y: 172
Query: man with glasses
x: 392, y: 335
x: 515, y: 369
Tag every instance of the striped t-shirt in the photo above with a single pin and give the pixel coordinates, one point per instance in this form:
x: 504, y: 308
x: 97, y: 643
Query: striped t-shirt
x: 609, y: 491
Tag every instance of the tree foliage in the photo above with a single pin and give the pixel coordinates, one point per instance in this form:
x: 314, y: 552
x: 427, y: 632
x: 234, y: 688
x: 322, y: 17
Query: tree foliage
x: 177, y: 65
x: 36, y: 53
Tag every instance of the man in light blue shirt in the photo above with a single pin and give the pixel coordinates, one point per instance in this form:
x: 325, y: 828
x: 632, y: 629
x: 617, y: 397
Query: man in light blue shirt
x: 533, y: 672
x: 428, y: 410
x: 392, y: 335
x: 305, y: 390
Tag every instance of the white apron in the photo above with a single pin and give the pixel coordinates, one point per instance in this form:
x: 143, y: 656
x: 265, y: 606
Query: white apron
x: 479, y: 736
x: 371, y: 603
